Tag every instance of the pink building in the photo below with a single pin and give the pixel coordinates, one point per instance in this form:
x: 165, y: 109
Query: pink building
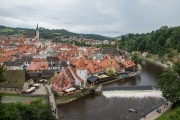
x: 63, y: 81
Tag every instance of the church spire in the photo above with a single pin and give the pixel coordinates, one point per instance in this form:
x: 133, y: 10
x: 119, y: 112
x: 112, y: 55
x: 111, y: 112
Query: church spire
x: 37, y: 27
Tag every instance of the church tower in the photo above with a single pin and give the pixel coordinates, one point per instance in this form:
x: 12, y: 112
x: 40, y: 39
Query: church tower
x: 37, y: 32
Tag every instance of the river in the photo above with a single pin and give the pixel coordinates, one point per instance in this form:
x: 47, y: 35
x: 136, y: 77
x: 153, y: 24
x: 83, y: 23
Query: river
x: 115, y: 106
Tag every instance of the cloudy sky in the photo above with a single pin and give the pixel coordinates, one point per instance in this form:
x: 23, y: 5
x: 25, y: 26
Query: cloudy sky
x: 105, y: 17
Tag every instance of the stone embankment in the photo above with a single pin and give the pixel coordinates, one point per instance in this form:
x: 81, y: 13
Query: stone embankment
x: 158, y: 112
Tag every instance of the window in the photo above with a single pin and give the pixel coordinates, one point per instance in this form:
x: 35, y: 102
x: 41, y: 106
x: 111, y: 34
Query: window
x: 11, y: 89
x: 5, y: 89
x: 15, y: 89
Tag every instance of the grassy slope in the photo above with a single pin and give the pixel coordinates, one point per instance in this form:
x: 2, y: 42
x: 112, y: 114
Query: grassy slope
x: 171, y: 114
x: 6, y: 30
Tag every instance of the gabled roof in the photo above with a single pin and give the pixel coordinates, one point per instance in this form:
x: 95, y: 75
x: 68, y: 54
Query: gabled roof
x: 63, y: 78
x: 15, y: 78
x: 73, y: 71
x: 3, y: 59
x: 34, y: 75
x: 92, y: 79
x: 48, y: 73
x: 30, y: 34
x: 112, y: 51
x: 26, y: 58
x: 38, y: 66
x: 7, y: 63
x: 128, y: 63
x: 49, y: 58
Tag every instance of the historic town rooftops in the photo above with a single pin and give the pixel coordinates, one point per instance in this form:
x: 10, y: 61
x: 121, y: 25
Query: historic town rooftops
x: 97, y: 57
x: 3, y: 59
x: 27, y: 58
x: 128, y: 63
x: 112, y: 51
x: 64, y: 77
x: 73, y: 71
x: 38, y: 66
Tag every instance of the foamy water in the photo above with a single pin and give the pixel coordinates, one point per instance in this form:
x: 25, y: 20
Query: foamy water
x: 136, y: 94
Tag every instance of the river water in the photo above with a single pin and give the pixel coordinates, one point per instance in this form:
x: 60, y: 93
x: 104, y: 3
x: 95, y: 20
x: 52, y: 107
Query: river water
x: 114, y: 105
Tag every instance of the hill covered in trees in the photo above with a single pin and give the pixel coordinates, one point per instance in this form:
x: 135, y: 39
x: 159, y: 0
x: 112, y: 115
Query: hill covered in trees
x: 50, y: 34
x: 163, y: 42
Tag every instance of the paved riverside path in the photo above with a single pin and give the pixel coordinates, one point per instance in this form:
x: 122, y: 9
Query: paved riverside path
x: 52, y: 101
x: 153, y: 115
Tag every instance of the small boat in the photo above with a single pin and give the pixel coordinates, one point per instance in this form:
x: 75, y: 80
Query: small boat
x: 132, y: 110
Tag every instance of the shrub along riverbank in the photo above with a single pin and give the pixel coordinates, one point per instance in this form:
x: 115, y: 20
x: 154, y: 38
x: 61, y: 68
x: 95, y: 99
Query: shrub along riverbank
x: 171, y: 114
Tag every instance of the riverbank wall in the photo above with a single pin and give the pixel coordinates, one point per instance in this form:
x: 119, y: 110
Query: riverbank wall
x: 120, y: 78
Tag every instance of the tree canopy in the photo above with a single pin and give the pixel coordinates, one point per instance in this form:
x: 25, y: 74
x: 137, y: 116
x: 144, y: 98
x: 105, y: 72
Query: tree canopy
x: 36, y: 110
x: 136, y: 58
x: 2, y: 78
x: 169, y: 83
x: 162, y: 41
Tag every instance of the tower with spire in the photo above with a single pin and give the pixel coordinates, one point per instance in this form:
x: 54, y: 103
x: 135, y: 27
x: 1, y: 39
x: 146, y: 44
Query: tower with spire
x: 37, y: 32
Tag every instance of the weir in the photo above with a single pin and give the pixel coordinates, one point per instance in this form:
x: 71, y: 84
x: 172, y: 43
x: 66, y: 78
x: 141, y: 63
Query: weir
x: 132, y: 91
x: 130, y: 88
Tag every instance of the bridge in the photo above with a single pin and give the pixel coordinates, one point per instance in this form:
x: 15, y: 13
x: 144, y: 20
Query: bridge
x: 130, y: 88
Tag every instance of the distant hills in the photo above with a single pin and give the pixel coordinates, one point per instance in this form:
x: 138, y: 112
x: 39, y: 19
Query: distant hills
x: 50, y: 33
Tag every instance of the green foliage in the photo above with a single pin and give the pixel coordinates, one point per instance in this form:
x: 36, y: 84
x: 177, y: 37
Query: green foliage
x: 55, y: 93
x: 2, y: 79
x: 110, y: 73
x: 4, y: 30
x: 176, y: 68
x: 37, y: 110
x: 175, y: 104
x: 172, y: 114
x: 169, y: 83
x: 162, y: 41
x: 136, y: 58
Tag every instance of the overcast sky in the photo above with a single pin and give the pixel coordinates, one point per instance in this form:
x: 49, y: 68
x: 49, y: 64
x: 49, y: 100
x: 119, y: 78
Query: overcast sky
x: 105, y: 17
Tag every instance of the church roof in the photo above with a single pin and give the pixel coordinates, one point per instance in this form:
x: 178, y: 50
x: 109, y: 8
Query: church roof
x: 30, y: 34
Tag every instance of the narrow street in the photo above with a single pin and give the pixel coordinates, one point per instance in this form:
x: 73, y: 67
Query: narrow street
x: 52, y: 101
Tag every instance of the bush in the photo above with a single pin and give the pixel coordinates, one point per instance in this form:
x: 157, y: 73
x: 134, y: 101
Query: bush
x: 55, y: 93
x: 175, y: 105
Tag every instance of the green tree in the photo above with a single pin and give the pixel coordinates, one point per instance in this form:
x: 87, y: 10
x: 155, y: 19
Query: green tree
x: 2, y: 78
x: 136, y: 58
x: 37, y: 110
x: 169, y: 83
x: 110, y: 73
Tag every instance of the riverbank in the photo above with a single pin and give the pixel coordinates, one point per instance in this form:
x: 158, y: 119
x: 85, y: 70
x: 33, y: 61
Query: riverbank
x: 120, y: 77
x: 69, y: 98
x: 154, y: 114
x: 155, y: 62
